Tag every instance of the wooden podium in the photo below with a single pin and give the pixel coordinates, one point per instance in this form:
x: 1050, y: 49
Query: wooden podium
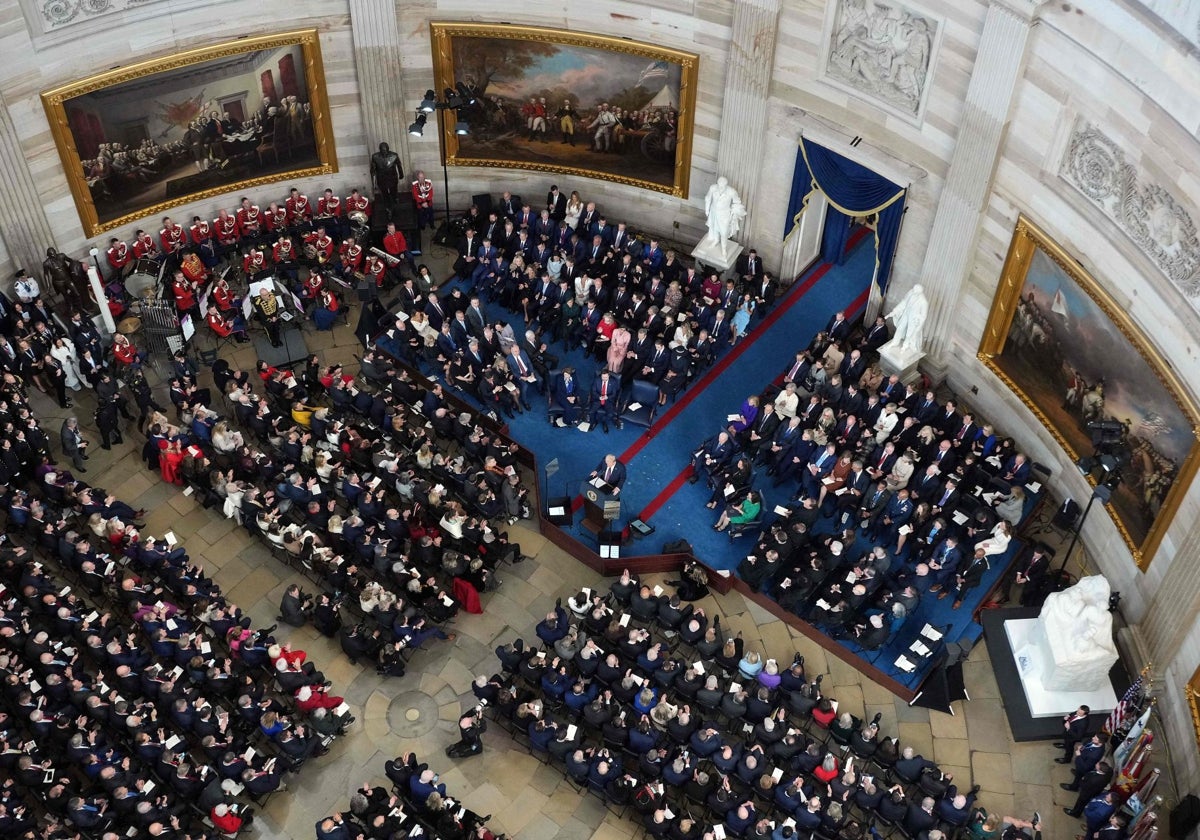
x: 600, y: 506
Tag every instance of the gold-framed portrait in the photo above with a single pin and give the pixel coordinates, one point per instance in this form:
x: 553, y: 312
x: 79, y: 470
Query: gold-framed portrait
x: 1192, y: 689
x: 137, y: 140
x: 1096, y: 382
x: 549, y: 100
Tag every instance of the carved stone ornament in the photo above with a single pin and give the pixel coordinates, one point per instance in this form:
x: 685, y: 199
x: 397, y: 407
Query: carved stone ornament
x: 884, y: 50
x: 1147, y: 212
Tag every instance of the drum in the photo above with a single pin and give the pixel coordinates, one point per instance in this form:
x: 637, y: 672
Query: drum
x: 146, y: 266
x: 130, y: 325
x: 141, y: 284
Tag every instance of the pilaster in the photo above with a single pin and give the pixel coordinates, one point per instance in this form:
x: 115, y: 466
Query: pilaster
x: 379, y: 60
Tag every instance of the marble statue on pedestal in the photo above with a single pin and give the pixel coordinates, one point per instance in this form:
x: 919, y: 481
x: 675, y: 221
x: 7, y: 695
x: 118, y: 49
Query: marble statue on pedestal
x: 909, y: 317
x: 1074, y: 637
x: 725, y: 211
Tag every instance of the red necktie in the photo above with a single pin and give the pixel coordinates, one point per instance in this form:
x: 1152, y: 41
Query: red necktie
x: 521, y: 365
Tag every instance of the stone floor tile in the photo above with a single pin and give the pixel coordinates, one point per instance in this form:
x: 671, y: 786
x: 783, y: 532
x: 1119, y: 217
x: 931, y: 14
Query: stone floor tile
x: 991, y: 771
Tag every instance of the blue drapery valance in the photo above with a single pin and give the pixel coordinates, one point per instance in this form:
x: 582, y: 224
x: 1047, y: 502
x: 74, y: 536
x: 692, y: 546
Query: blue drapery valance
x: 852, y: 190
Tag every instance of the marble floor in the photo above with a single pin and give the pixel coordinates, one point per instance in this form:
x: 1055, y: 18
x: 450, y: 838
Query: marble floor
x: 418, y: 712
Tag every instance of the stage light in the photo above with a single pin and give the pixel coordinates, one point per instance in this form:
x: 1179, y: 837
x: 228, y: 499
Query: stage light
x: 453, y: 100
x: 468, y: 97
x: 418, y: 126
x: 461, y: 128
x: 429, y: 103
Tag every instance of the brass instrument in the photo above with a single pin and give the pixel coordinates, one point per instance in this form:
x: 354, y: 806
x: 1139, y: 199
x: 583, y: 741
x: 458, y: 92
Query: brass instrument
x: 358, y: 217
x: 310, y: 251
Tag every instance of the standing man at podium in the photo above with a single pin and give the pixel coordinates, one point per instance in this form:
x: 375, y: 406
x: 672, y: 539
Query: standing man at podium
x: 611, y: 472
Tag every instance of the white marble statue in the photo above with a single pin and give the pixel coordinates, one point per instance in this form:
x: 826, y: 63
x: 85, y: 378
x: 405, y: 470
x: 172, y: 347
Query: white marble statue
x: 1074, y: 637
x: 909, y: 317
x: 725, y: 212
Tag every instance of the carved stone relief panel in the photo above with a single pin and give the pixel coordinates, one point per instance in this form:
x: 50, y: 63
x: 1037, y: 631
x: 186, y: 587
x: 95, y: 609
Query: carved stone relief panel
x: 884, y: 50
x: 1148, y: 212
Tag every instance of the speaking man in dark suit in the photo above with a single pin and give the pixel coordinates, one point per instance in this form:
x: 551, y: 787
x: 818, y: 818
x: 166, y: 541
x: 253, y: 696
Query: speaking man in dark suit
x: 611, y: 472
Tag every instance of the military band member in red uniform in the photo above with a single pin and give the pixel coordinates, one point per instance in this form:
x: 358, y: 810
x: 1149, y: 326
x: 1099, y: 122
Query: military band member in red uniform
x: 422, y: 193
x: 120, y: 257
x: 255, y: 264
x: 193, y: 267
x: 250, y: 222
x: 285, y: 257
x: 329, y: 214
x: 226, y: 325
x: 356, y: 202
x: 323, y: 244
x: 185, y: 295
x: 172, y: 237
x: 275, y: 220
x: 396, y: 245
x: 310, y: 290
x: 222, y: 296
x: 227, y: 233
x: 144, y: 247
x: 202, y: 239
x: 351, y: 254
x: 299, y: 212
x: 375, y: 269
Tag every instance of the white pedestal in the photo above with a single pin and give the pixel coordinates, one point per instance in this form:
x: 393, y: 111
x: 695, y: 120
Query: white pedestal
x: 1043, y: 702
x: 711, y: 255
x: 898, y: 360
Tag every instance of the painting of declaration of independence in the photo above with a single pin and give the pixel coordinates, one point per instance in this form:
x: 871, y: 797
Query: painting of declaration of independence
x: 557, y: 101
x: 1080, y: 364
x: 147, y: 137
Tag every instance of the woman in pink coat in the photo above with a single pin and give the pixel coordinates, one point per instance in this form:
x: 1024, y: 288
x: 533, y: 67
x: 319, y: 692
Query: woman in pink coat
x: 618, y: 348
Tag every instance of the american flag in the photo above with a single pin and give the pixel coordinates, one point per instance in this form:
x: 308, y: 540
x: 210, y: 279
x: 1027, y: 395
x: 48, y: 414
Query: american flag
x: 655, y: 71
x: 1125, y: 706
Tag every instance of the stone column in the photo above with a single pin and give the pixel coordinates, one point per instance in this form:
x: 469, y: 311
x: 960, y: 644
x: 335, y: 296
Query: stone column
x: 955, y: 232
x: 23, y: 224
x: 744, y: 106
x: 1176, y: 603
x: 378, y: 58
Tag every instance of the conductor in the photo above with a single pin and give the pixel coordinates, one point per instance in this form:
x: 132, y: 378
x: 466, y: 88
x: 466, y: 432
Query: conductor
x: 611, y: 472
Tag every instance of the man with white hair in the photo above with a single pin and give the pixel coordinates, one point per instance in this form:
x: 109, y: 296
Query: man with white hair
x: 920, y: 817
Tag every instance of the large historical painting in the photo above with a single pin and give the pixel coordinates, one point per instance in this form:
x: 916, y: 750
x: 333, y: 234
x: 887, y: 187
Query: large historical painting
x: 1075, y: 358
x: 883, y: 50
x: 556, y: 101
x: 140, y: 139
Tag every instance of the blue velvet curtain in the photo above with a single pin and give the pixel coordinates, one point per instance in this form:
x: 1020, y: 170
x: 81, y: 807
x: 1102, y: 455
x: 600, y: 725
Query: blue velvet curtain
x: 852, y: 190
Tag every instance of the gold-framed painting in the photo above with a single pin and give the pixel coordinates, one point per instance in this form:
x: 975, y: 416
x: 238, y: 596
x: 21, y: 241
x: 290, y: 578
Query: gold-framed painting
x: 140, y: 139
x: 1192, y: 689
x: 1096, y: 382
x: 549, y: 100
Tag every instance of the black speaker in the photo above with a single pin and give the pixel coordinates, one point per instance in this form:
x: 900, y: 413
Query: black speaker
x: 367, y: 290
x: 956, y: 652
x: 1185, y: 816
x: 484, y: 202
x: 558, y: 510
x: 1067, y: 515
x: 444, y: 236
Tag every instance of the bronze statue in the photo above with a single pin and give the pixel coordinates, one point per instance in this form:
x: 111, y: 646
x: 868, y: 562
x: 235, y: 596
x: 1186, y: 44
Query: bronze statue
x: 386, y: 173
x: 69, y: 279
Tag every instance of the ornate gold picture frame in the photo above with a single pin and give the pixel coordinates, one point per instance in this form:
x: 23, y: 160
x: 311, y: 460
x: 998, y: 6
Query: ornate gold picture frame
x: 1095, y: 381
x: 1192, y: 689
x: 549, y: 100
x: 138, y: 140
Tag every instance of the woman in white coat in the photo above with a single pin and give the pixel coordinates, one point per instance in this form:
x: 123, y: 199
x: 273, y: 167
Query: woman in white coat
x: 64, y: 353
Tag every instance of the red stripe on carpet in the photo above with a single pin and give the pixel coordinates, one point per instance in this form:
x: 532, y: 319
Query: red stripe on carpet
x: 665, y: 494
x: 722, y: 364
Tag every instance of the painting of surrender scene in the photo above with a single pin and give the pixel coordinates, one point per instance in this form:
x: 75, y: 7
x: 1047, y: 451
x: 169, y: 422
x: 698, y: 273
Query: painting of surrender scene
x: 156, y: 134
x: 1074, y: 357
x: 552, y: 100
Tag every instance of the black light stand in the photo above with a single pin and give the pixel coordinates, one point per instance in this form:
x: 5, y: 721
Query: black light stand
x: 453, y: 101
x: 1102, y: 492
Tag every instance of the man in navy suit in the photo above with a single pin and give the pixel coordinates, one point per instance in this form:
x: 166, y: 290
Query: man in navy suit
x: 819, y: 466
x: 611, y: 472
x: 838, y: 328
x: 876, y: 336
x: 521, y: 367
x: 604, y: 400
x: 944, y: 561
x: 1016, y: 469
x: 712, y: 456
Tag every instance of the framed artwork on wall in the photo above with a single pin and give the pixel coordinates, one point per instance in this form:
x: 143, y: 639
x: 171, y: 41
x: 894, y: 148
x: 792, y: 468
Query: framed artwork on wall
x: 1096, y: 382
x: 550, y: 100
x: 140, y: 139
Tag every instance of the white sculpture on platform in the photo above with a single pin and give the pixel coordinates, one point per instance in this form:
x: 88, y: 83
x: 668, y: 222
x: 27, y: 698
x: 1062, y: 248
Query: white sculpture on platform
x: 909, y: 317
x: 1074, y: 637
x: 725, y: 211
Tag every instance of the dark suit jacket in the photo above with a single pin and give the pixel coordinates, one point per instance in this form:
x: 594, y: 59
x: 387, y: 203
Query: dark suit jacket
x: 618, y: 473
x: 557, y: 205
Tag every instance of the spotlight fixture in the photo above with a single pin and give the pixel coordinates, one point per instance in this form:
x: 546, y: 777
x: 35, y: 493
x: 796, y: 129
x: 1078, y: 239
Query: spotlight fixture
x: 465, y: 93
x: 453, y: 100
x: 418, y: 126
x: 429, y: 103
x: 461, y: 128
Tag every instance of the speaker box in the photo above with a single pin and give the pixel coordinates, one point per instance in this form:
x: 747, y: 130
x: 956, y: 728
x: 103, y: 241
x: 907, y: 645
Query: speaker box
x: 558, y: 510
x: 367, y: 291
x: 1067, y: 515
x: 484, y: 202
x: 1185, y: 816
x: 956, y: 652
x: 444, y: 236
